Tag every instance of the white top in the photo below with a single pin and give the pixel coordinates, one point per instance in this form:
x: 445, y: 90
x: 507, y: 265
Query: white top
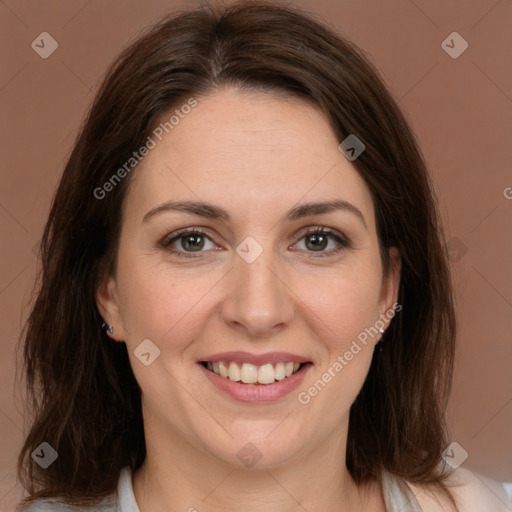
x: 397, y: 495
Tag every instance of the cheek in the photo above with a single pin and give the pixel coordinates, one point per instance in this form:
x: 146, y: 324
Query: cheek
x: 345, y: 308
x: 161, y: 304
x: 344, y: 303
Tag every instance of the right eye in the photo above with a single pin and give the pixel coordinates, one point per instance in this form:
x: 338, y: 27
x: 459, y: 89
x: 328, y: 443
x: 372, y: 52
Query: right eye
x: 189, y: 240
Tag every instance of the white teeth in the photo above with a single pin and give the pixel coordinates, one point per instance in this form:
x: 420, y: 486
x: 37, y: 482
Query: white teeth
x: 266, y: 374
x: 234, y: 372
x: 280, y: 371
x: 251, y: 374
x: 223, y: 369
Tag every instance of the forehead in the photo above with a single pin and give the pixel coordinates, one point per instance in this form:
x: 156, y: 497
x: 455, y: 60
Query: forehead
x: 248, y: 152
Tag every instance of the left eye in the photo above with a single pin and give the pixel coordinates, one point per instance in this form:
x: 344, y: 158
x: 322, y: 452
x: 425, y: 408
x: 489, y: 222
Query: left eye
x: 318, y: 239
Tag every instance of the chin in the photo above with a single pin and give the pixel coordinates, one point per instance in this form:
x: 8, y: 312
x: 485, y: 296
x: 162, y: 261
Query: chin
x: 251, y: 451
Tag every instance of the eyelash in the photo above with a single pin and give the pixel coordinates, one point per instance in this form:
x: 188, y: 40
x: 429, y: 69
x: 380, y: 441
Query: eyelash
x: 343, y: 241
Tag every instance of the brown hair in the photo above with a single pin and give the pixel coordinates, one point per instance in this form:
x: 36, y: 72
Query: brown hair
x: 85, y: 400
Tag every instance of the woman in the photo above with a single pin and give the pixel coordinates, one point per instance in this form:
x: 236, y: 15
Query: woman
x: 245, y: 299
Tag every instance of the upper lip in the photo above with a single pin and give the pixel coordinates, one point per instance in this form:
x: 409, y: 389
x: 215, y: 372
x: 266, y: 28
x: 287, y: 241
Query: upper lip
x: 255, y: 359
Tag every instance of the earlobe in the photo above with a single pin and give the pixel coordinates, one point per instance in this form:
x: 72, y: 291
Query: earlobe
x: 391, y: 284
x: 108, y: 306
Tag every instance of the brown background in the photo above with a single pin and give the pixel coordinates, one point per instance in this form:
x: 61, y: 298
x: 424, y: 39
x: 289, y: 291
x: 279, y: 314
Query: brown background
x: 460, y: 108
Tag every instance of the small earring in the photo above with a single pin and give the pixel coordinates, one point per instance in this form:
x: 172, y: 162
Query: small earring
x: 381, y: 330
x: 107, y: 327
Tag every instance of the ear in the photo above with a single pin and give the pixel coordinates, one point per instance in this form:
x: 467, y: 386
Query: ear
x: 107, y: 301
x: 391, y: 284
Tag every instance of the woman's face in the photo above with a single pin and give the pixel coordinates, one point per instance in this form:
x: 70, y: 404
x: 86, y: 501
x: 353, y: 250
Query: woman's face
x: 255, y: 288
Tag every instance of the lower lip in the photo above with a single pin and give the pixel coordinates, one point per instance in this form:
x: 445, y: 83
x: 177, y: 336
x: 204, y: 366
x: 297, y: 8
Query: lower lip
x: 257, y: 393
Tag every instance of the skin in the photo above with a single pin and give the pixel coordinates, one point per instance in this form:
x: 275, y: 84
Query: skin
x: 257, y: 155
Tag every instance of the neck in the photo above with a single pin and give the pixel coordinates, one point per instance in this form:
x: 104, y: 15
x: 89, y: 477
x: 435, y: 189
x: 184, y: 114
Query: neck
x: 177, y: 476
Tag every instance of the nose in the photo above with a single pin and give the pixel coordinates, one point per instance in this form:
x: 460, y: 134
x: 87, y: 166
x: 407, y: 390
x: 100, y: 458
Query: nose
x: 258, y: 302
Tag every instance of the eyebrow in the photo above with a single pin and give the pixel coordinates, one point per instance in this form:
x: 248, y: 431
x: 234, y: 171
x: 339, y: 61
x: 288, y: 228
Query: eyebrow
x: 211, y: 211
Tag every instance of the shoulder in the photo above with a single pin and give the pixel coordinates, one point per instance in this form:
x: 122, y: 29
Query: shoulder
x: 119, y: 500
x: 108, y: 504
x: 472, y: 491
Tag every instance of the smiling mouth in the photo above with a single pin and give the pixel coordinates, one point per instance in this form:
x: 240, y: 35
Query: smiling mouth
x: 247, y: 373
